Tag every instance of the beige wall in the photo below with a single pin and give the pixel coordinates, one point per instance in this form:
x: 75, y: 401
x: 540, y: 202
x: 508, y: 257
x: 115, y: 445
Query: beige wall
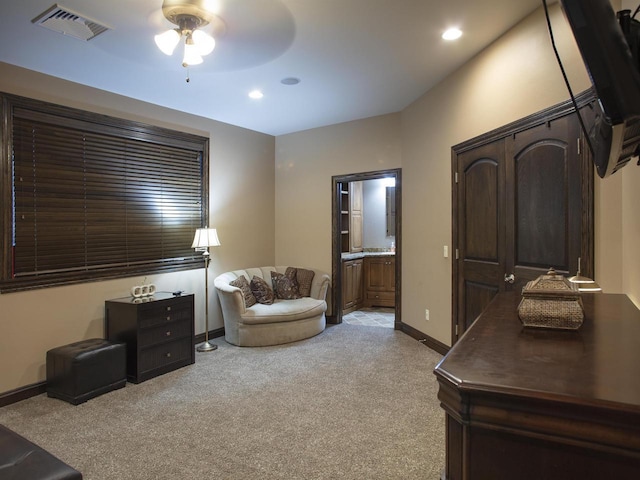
x: 240, y: 205
x: 515, y: 77
x: 305, y: 163
x: 617, y: 265
x: 630, y: 233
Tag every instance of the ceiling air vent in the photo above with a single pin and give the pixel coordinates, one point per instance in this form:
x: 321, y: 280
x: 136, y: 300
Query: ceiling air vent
x: 62, y: 20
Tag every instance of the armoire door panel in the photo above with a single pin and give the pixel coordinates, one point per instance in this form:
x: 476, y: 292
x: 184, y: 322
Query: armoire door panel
x: 541, y: 205
x: 481, y: 214
x: 478, y: 296
x: 548, y: 204
x: 481, y: 226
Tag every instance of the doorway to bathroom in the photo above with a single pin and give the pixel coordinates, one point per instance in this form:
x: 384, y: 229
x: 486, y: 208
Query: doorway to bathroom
x: 367, y: 248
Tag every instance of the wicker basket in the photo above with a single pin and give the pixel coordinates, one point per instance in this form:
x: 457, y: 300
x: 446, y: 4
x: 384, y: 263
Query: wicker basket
x: 551, y: 301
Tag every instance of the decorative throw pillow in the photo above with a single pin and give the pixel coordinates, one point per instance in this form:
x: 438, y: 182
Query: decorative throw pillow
x: 304, y: 278
x: 261, y: 290
x: 285, y: 285
x: 243, y: 284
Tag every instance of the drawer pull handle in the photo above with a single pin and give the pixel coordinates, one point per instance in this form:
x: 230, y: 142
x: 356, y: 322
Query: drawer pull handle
x: 169, y: 333
x: 168, y: 318
x: 168, y: 355
x: 168, y: 309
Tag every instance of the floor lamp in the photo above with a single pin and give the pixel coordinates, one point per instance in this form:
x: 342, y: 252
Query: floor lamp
x: 203, y: 239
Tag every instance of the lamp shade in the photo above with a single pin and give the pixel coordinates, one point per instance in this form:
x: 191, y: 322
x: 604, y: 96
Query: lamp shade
x: 585, y: 284
x: 191, y: 55
x: 204, y: 43
x: 205, y: 237
x: 167, y: 41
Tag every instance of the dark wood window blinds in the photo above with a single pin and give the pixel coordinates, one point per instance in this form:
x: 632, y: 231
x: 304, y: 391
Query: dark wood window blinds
x: 95, y: 197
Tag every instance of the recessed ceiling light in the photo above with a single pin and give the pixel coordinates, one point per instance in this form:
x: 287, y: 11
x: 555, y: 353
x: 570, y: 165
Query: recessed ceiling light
x: 256, y: 94
x: 452, y: 34
x: 290, y: 81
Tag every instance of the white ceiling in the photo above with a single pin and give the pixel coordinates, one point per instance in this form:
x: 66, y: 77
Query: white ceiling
x: 355, y: 58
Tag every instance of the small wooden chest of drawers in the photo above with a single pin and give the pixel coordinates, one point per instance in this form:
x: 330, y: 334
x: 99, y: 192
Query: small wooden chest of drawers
x: 158, y: 332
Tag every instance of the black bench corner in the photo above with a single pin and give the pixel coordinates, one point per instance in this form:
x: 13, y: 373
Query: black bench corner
x: 21, y: 459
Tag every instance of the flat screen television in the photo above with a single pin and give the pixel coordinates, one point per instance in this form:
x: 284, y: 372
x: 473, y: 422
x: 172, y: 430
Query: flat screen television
x: 609, y: 46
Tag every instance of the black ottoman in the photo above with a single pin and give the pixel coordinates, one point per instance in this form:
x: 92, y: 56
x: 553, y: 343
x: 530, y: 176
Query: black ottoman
x: 83, y: 370
x: 21, y: 459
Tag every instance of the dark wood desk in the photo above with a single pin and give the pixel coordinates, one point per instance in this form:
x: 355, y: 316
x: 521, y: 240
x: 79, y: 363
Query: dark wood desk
x: 541, y: 404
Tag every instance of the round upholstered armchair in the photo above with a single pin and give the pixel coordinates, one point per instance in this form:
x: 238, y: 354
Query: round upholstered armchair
x: 272, y: 305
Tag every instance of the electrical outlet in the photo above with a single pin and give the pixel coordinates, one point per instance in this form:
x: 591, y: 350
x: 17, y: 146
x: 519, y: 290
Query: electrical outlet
x: 426, y: 314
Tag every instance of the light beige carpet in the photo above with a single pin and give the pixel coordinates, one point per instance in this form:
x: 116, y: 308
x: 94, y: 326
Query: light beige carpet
x: 354, y: 402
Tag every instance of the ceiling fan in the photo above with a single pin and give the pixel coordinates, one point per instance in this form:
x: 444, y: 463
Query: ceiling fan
x: 189, y: 16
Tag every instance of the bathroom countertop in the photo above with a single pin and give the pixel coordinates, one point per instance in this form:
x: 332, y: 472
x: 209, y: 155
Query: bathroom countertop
x: 354, y: 256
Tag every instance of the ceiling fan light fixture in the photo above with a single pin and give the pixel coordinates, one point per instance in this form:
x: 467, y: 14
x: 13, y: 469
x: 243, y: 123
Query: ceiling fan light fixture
x: 203, y: 42
x: 168, y: 41
x: 189, y: 16
x: 191, y: 54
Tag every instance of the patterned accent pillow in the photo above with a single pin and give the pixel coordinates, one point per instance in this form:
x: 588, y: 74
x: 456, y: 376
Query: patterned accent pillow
x: 261, y: 290
x: 285, y: 285
x: 304, y: 278
x: 243, y: 284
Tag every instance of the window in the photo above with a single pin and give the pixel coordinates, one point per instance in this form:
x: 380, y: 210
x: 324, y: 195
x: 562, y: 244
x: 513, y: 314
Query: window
x: 88, y: 197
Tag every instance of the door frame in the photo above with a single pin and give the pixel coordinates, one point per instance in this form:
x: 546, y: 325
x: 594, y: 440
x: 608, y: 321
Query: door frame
x: 336, y: 251
x: 583, y: 100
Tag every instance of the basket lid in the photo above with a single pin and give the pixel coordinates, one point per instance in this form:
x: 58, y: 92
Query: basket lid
x: 551, y: 284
